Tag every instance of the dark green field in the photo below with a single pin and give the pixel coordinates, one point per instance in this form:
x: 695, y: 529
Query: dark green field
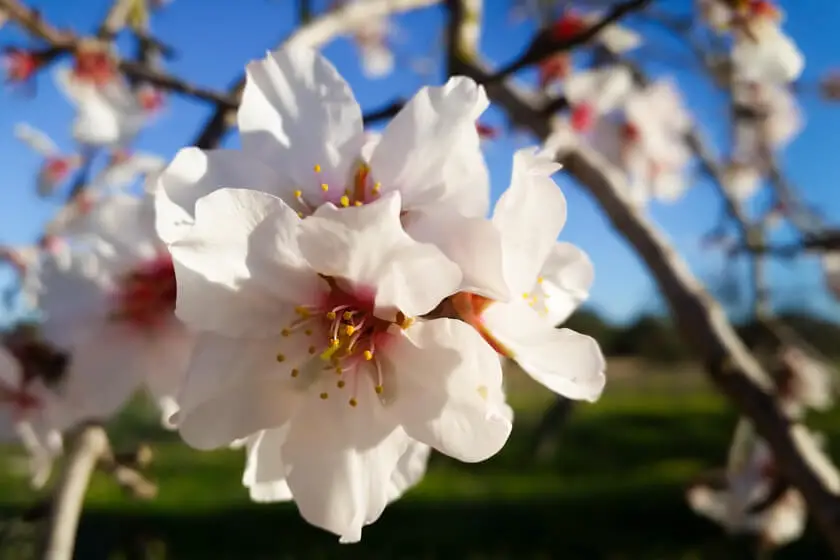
x: 613, y: 489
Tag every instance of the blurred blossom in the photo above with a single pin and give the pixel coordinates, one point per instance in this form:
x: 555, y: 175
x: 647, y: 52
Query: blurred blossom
x: 806, y: 382
x: 56, y: 167
x: 19, y: 64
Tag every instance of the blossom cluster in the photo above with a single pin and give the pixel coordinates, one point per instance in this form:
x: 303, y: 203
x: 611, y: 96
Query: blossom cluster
x: 337, y: 302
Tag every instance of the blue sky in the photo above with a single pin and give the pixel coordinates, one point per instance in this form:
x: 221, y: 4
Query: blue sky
x: 214, y: 40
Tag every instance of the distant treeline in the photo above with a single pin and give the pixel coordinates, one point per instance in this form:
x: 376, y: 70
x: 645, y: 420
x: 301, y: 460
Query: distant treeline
x: 656, y: 338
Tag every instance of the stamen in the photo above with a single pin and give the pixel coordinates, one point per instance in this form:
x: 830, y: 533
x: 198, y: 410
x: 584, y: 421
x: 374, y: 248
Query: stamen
x: 325, y: 187
x: 368, y: 355
x: 324, y: 396
x: 281, y: 358
x: 317, y: 168
x: 345, y: 201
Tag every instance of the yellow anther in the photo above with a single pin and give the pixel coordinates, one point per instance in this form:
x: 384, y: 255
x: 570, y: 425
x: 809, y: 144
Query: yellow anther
x: 526, y: 295
x: 302, y: 311
x: 281, y: 358
x: 300, y: 214
x: 311, y: 349
x: 325, y: 187
x: 353, y: 402
x: 308, y: 332
x: 298, y: 193
x: 338, y: 370
x: 317, y: 168
x: 357, y: 203
x: 295, y: 372
x: 347, y: 315
x: 406, y: 322
x: 327, y: 354
x: 285, y: 332
x: 340, y: 384
x: 349, y: 329
x: 331, y: 315
x: 376, y: 187
x: 345, y: 201
x: 368, y: 355
x: 324, y: 396
x: 379, y: 389
x: 540, y: 279
x: 334, y: 343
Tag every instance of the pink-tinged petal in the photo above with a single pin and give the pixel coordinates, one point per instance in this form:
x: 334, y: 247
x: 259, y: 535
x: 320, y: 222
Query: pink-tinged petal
x: 235, y: 388
x: 195, y: 173
x: 568, y: 363
x: 104, y: 372
x: 563, y: 284
x: 530, y: 216
x: 474, y: 244
x: 265, y: 472
x: 443, y: 383
x: 173, y: 347
x: 367, y: 247
x: 298, y: 112
x: 246, y: 278
x: 338, y: 461
x: 430, y: 143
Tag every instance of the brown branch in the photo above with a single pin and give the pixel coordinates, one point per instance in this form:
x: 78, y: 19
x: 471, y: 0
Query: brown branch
x: 88, y: 446
x: 31, y: 20
x: 170, y: 83
x: 543, y: 46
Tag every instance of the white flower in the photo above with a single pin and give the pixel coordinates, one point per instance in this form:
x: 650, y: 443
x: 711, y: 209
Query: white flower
x: 809, y: 384
x: 28, y: 413
x: 594, y: 93
x: 716, y: 13
x: 107, y: 115
x: 124, y: 168
x: 307, y: 325
x: 372, y: 41
x: 303, y: 140
x: 112, y: 309
x: 548, y: 279
x: 767, y: 55
x: 56, y: 167
x: 741, y: 180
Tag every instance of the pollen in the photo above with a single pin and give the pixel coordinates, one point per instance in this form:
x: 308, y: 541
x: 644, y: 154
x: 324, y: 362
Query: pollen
x: 345, y: 201
x: 281, y: 358
x: 349, y: 329
x: 347, y: 315
x: 317, y: 168
x: 302, y: 311
x: 357, y: 203
x: 295, y: 372
x: 540, y: 280
x: 331, y: 315
x: 340, y: 384
x: 379, y: 389
x: 298, y: 193
x: 376, y: 187
x: 353, y: 402
x: 325, y: 187
x: 368, y: 355
x: 324, y: 396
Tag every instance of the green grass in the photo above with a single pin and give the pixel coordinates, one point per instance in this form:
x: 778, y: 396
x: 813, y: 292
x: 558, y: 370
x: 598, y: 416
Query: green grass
x: 613, y: 490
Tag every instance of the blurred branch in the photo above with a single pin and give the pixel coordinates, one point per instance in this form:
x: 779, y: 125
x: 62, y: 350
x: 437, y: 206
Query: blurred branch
x: 90, y: 449
x: 544, y: 46
x: 315, y: 34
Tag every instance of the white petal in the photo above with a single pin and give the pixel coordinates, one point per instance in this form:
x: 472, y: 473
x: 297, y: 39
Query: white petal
x: 298, y: 112
x: 772, y: 58
x: 368, y: 247
x: 245, y: 278
x: 339, y: 459
x: 474, y: 244
x: 566, y: 362
x: 566, y: 278
x: 430, y: 138
x: 195, y: 173
x: 529, y: 215
x: 235, y: 388
x: 410, y: 469
x: 265, y: 472
x: 173, y: 346
x: 442, y: 382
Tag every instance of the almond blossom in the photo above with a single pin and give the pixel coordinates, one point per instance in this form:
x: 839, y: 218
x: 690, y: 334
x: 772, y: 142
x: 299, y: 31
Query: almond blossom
x: 762, y: 51
x: 19, y: 64
x: 807, y: 382
x: 111, y: 307
x: 28, y: 413
x: 594, y: 93
x: 303, y: 140
x: 108, y: 113
x: 56, y: 167
x: 124, y: 168
x: 753, y: 498
x: 316, y: 326
x: 549, y: 279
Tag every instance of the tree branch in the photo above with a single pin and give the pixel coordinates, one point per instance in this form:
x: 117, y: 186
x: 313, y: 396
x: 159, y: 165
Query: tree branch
x: 88, y: 446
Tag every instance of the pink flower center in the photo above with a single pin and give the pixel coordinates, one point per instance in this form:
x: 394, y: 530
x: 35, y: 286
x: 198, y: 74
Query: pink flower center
x: 361, y: 191
x: 57, y: 168
x: 582, y: 117
x: 554, y: 68
x: 568, y: 26
x: 95, y: 66
x: 146, y: 296
x: 20, y: 64
x: 344, y: 336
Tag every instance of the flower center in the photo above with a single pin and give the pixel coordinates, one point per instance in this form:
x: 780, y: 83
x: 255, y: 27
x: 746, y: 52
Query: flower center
x: 146, y: 296
x: 343, y: 336
x: 361, y: 191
